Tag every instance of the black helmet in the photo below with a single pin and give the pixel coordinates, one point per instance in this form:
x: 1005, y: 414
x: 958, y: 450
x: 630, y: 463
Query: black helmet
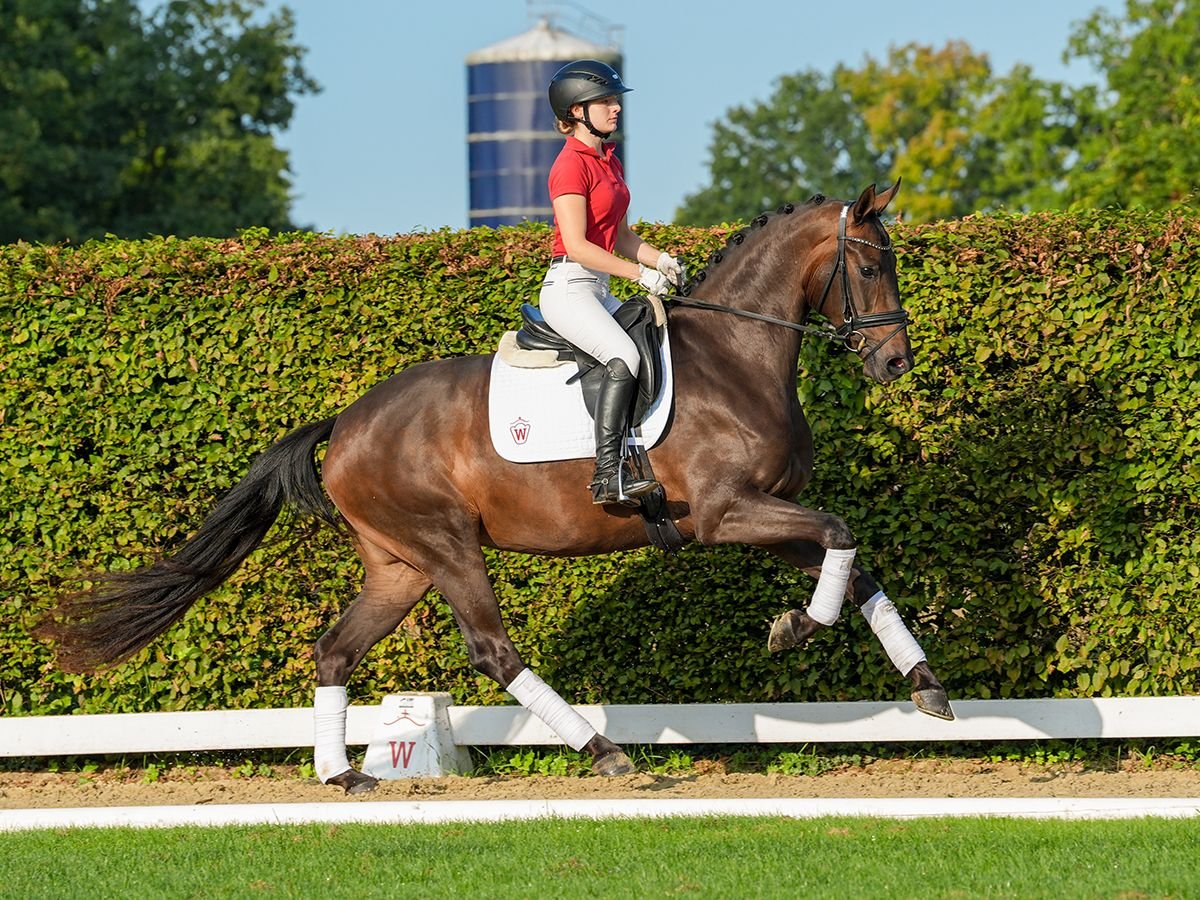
x: 581, y: 81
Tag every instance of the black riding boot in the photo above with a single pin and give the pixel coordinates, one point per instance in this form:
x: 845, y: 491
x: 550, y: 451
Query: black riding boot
x: 612, y: 421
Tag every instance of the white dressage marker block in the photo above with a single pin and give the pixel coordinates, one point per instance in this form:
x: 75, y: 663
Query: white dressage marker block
x: 412, y: 739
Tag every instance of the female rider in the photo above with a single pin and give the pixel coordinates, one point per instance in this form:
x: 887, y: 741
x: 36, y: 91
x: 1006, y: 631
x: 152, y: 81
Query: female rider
x: 592, y: 241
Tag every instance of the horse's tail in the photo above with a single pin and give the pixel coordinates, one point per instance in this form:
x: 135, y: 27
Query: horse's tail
x: 124, y: 612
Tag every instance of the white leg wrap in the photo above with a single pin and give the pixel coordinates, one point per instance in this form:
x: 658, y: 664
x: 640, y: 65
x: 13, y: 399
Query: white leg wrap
x: 541, y: 700
x: 329, y: 719
x: 899, y: 644
x: 831, y: 586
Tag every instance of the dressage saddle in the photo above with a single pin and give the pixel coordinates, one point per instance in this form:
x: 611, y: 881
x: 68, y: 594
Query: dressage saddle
x: 636, y: 317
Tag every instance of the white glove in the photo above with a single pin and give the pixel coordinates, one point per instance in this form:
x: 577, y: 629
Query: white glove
x: 670, y: 266
x: 653, y: 281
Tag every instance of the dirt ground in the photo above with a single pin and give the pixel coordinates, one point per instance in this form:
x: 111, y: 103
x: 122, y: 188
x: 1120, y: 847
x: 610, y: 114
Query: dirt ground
x: 882, y: 778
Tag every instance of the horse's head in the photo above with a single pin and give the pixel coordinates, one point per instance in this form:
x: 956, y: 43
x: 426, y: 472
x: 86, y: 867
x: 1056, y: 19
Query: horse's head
x: 861, y: 297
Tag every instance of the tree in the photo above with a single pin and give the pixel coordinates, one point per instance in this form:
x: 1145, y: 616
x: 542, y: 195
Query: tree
x: 917, y: 105
x: 1143, y: 145
x: 805, y: 139
x: 1028, y: 135
x: 117, y: 122
x: 962, y: 139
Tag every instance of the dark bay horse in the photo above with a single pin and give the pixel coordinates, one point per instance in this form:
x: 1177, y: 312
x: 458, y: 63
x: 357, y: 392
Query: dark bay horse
x: 419, y: 488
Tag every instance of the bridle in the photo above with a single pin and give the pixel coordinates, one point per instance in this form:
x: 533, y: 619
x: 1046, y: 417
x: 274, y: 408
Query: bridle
x: 852, y: 321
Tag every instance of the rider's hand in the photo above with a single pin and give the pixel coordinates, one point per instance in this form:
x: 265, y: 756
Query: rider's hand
x: 653, y: 281
x: 670, y: 266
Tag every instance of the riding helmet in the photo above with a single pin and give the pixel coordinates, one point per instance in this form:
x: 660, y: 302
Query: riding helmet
x: 581, y: 81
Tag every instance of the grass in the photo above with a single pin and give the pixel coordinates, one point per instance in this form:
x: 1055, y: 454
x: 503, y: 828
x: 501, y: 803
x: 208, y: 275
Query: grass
x: 726, y: 857
x: 703, y: 858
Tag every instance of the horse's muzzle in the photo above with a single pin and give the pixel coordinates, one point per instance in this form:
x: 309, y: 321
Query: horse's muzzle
x: 899, y: 365
x: 886, y: 367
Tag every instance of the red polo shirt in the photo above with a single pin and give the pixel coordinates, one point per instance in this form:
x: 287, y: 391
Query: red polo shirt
x: 600, y: 178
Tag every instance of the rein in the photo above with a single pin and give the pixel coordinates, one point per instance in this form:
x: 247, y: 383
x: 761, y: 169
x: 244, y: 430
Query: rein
x: 852, y: 322
x: 825, y: 331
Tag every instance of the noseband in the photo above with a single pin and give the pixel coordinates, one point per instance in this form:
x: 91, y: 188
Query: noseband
x: 852, y: 321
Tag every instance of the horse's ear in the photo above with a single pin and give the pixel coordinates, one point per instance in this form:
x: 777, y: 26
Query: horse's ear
x: 870, y: 203
x: 863, y: 206
x: 882, y: 200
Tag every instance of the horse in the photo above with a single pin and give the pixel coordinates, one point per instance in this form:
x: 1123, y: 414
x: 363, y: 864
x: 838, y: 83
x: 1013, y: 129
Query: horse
x: 419, y: 489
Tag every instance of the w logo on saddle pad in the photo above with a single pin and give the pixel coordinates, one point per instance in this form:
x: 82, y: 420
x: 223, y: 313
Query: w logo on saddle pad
x: 535, y: 415
x: 519, y: 429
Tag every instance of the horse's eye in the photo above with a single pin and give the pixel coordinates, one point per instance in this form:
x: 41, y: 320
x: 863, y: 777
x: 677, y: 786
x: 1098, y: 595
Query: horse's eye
x: 868, y: 271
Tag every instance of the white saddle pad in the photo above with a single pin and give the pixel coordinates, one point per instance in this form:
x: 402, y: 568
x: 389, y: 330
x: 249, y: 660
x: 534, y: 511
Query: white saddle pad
x: 535, y: 416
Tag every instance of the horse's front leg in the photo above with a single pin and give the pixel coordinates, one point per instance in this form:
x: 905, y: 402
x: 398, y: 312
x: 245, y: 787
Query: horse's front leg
x: 796, y: 626
x: 823, y: 546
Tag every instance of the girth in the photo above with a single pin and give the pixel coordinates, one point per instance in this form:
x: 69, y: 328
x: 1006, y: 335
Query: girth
x: 636, y: 318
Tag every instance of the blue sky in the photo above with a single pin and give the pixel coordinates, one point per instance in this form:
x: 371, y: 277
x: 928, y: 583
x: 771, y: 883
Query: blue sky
x: 383, y: 148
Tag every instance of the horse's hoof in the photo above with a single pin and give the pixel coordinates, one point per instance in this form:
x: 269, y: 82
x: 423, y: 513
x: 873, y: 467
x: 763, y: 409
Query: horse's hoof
x: 934, y: 702
x: 790, y: 630
x: 354, y: 782
x: 615, y: 762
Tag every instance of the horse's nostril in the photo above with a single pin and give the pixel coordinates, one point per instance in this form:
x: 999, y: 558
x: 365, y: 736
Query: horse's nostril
x: 898, y: 364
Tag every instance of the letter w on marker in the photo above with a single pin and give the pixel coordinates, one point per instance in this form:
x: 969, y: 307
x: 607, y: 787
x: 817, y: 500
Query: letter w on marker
x: 402, y: 750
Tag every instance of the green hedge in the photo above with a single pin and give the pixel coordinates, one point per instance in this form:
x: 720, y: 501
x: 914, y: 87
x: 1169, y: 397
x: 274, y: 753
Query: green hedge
x: 1028, y: 496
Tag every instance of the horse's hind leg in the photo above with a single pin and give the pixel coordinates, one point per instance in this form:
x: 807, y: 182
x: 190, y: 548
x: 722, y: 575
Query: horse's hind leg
x: 796, y: 626
x: 390, y: 590
x: 468, y: 590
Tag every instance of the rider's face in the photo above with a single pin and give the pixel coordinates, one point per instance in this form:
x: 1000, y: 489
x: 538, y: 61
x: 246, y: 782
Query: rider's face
x: 604, y: 113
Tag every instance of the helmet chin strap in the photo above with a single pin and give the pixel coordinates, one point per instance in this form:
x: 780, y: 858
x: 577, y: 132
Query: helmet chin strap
x: 587, y: 123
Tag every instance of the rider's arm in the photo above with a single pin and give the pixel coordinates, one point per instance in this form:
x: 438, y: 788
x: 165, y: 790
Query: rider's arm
x: 631, y: 246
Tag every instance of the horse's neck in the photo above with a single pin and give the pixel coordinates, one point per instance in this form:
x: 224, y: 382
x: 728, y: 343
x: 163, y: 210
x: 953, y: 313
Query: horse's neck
x: 732, y: 346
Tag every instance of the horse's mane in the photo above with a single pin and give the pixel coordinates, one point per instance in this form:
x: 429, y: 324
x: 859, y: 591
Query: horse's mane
x: 739, y: 237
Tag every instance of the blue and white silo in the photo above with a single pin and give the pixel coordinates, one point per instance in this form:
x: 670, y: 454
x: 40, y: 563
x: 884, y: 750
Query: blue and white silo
x: 511, y: 139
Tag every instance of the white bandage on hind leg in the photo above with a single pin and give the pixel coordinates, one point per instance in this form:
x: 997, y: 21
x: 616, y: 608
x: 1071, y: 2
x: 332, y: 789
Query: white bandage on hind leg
x: 831, y: 586
x: 329, y: 721
x: 541, y: 700
x: 899, y: 644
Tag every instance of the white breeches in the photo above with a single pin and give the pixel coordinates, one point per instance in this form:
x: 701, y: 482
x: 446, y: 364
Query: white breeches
x: 575, y: 302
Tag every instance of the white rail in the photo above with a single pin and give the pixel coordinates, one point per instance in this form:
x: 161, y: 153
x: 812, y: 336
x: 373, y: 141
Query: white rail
x: 703, y: 723
x: 404, y: 812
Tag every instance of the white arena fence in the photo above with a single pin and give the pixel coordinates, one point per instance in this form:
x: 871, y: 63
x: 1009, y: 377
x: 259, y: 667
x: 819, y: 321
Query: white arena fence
x: 701, y: 723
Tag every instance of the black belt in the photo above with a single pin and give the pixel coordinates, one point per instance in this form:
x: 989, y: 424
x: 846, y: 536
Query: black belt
x: 555, y: 260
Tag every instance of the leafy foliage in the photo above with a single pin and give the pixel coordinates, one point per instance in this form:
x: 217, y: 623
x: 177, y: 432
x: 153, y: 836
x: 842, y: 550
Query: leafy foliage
x: 805, y: 138
x: 118, y: 122
x: 1028, y: 496
x: 967, y: 139
x: 1143, y: 149
x: 962, y: 138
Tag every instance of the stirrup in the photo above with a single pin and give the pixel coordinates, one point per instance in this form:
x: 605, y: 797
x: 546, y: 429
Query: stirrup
x: 626, y: 493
